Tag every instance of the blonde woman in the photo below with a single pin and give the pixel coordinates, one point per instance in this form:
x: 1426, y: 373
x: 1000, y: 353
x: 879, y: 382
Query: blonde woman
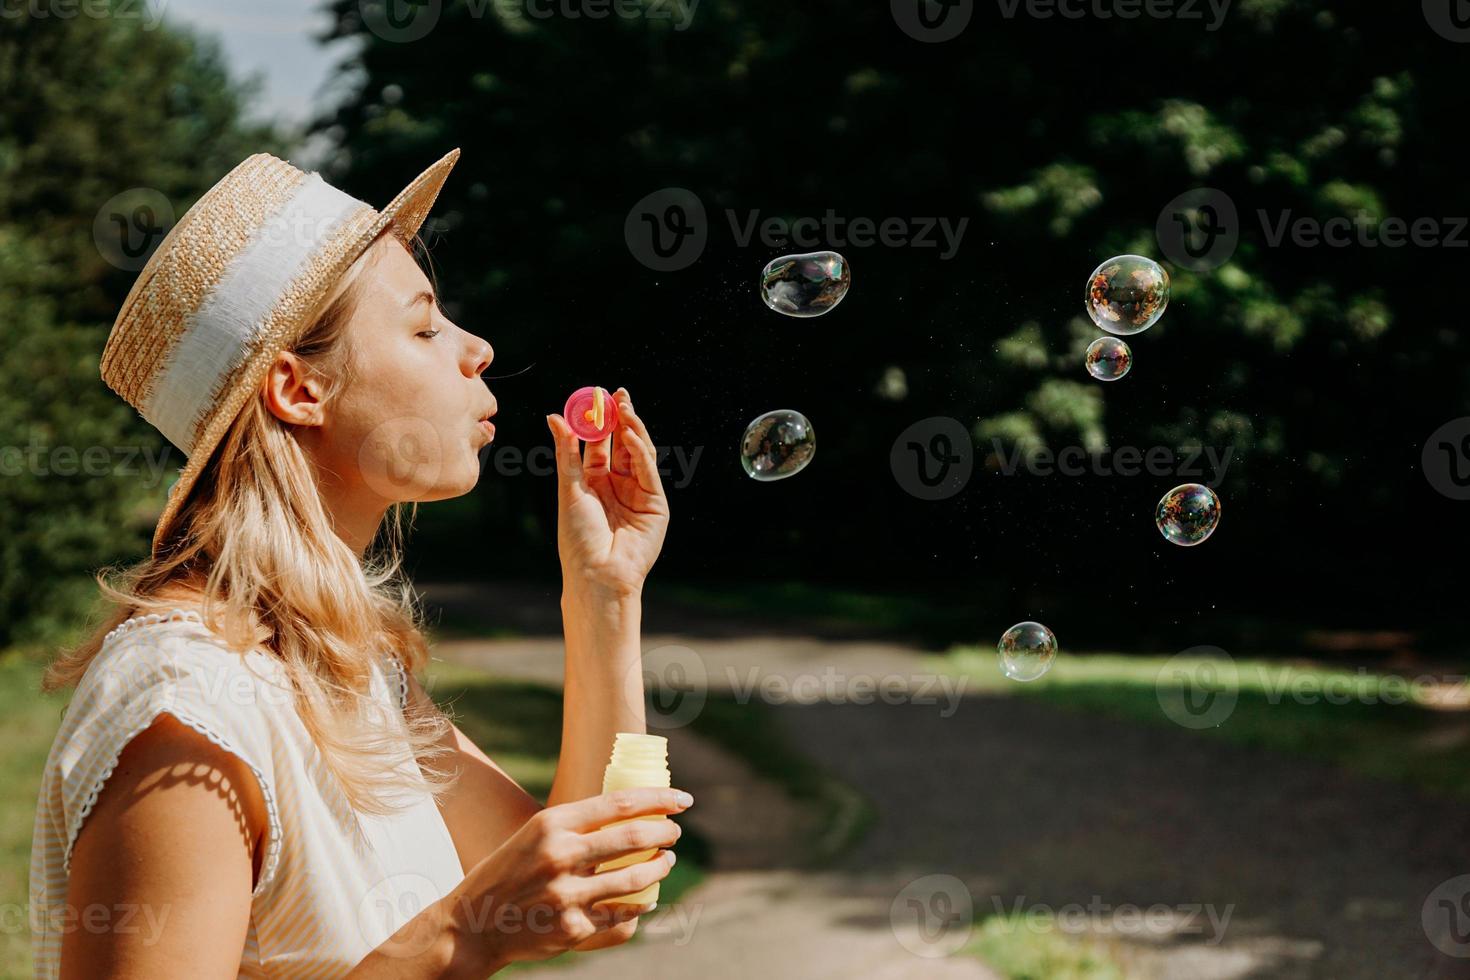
x: 249, y: 779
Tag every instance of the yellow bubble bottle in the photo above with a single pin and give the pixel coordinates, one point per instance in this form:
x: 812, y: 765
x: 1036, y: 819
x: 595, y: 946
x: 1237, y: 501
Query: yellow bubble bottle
x: 637, y: 761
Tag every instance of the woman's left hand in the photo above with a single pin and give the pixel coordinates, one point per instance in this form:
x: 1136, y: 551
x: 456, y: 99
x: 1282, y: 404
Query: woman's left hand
x: 612, y: 512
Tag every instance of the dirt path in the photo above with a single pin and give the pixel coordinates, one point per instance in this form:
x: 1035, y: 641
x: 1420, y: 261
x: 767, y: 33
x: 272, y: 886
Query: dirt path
x: 1183, y: 856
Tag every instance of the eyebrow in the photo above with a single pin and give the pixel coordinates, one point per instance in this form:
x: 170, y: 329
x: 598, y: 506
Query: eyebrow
x: 423, y: 296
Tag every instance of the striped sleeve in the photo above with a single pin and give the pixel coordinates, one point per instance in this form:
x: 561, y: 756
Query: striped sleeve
x: 147, y: 674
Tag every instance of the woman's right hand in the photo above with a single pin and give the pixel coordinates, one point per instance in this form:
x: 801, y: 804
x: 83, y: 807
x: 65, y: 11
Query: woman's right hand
x: 533, y: 897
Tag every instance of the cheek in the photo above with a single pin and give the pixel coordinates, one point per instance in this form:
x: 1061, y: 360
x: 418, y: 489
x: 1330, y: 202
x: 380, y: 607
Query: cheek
x: 404, y: 434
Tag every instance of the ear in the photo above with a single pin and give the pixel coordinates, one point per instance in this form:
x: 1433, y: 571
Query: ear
x: 292, y: 392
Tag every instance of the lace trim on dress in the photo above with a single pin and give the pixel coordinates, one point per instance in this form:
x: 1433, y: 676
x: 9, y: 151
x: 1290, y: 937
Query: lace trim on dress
x: 273, y: 844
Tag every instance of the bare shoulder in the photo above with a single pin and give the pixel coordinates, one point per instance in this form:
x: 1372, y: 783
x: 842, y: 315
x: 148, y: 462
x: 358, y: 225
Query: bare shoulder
x: 177, y: 833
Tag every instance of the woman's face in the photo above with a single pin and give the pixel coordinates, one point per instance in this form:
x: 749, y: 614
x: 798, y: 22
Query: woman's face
x: 406, y: 426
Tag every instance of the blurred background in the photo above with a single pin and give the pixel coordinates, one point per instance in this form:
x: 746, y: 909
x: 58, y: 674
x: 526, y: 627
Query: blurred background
x: 1292, y: 165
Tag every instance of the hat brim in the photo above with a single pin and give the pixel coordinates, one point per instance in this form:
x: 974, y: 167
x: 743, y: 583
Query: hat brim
x: 404, y: 215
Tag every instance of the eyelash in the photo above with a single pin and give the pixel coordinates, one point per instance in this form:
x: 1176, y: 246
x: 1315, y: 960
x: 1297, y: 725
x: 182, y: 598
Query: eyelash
x: 431, y: 333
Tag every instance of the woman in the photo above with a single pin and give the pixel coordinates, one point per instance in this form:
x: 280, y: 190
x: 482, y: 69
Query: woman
x: 249, y: 766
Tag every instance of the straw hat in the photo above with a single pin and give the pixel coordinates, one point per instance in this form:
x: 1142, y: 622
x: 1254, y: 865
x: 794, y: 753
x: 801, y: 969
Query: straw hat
x: 236, y: 281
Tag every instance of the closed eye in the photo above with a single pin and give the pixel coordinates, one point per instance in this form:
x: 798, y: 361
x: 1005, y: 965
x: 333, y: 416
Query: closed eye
x: 430, y: 334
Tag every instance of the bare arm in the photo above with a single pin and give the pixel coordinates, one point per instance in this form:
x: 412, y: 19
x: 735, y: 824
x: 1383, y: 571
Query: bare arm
x: 485, y: 806
x: 176, y: 837
x: 176, y: 840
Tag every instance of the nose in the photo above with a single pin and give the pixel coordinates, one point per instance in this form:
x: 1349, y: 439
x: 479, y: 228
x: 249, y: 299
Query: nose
x: 481, y: 354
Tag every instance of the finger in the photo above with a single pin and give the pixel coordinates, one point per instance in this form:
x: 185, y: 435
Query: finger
x: 568, y: 460
x: 626, y: 881
x: 596, y: 812
x: 625, y: 411
x: 643, y: 462
x: 609, y: 915
x: 628, y: 838
x: 597, y: 454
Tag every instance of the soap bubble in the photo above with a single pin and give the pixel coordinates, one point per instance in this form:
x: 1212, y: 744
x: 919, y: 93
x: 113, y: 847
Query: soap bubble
x: 1108, y: 359
x: 805, y: 285
x: 777, y: 445
x: 1188, y: 514
x: 1127, y: 294
x: 1027, y: 651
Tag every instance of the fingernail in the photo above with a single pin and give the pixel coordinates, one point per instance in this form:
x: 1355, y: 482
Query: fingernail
x: 683, y: 799
x: 673, y: 858
x: 648, y: 908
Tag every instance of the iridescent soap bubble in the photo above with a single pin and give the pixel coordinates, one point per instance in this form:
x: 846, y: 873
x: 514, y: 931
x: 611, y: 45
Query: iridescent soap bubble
x: 1127, y: 294
x: 1188, y: 514
x: 805, y: 285
x: 1108, y: 359
x: 1027, y: 651
x: 777, y: 445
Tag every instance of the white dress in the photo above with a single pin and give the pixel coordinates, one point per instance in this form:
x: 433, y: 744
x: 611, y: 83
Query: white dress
x: 334, y: 883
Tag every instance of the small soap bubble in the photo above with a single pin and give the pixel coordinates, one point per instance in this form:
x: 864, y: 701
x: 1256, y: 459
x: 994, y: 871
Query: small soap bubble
x: 777, y: 445
x: 1127, y: 294
x: 1188, y: 514
x: 1108, y: 359
x: 1027, y: 651
x: 805, y: 285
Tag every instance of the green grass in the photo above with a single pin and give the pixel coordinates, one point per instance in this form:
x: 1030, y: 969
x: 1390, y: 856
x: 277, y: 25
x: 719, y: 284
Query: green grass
x: 1023, y: 949
x: 1411, y: 742
x: 28, y: 723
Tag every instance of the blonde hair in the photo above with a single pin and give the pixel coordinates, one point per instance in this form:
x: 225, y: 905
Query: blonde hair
x: 256, y: 540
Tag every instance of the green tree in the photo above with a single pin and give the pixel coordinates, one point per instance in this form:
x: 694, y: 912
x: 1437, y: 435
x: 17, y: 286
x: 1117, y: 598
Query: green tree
x: 90, y: 107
